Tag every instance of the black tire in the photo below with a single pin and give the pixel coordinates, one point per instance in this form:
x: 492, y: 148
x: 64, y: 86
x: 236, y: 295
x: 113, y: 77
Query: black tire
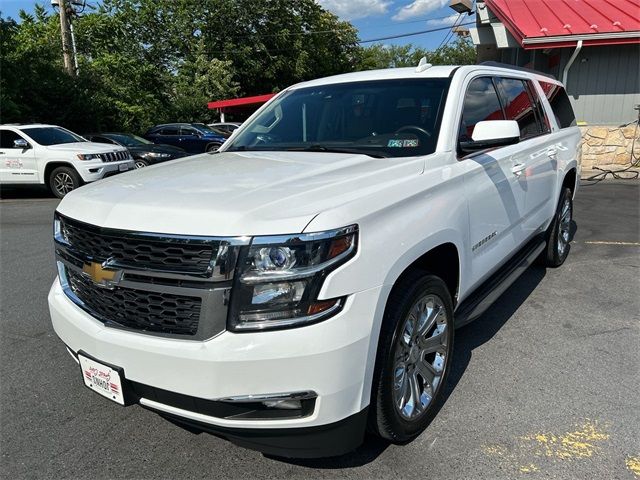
x: 388, y: 419
x: 558, y: 234
x: 140, y: 163
x: 213, y: 147
x: 62, y: 180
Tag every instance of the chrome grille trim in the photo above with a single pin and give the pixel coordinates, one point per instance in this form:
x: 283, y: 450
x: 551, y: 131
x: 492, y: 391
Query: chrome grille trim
x: 212, y: 287
x: 114, y: 156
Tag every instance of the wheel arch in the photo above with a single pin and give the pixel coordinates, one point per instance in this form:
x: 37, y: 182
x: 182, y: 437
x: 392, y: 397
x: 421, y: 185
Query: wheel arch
x: 570, y: 180
x: 51, y: 166
x: 441, y: 259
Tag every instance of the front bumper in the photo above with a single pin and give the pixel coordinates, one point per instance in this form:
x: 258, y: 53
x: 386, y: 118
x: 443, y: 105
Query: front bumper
x: 331, y: 358
x: 93, y: 170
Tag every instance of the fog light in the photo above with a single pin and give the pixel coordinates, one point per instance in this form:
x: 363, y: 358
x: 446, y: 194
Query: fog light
x: 283, y: 404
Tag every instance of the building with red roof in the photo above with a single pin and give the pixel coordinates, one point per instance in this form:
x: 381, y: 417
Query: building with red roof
x: 592, y: 46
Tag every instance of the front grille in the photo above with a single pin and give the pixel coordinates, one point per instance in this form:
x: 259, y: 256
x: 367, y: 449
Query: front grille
x: 138, y: 309
x: 114, y: 156
x: 168, y: 254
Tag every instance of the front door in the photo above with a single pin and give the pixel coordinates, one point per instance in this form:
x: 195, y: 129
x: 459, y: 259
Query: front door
x: 17, y: 165
x: 496, y: 196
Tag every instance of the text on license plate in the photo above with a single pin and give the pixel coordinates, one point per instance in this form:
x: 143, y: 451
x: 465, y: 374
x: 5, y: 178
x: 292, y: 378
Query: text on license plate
x: 102, y: 379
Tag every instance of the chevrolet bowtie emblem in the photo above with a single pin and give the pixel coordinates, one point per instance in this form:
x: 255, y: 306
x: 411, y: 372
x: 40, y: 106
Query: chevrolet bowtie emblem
x: 100, y: 275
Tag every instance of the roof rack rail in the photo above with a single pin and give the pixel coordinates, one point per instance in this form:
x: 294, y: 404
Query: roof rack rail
x: 514, y: 67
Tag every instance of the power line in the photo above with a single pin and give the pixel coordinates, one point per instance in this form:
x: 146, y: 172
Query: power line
x: 390, y: 37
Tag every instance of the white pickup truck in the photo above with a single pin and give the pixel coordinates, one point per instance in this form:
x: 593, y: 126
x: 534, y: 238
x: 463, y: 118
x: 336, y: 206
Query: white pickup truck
x: 304, y: 283
x: 49, y: 155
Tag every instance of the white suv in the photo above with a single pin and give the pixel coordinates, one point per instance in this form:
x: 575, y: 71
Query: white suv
x: 53, y: 156
x: 305, y: 281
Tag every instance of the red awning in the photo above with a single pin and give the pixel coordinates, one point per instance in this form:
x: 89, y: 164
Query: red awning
x: 234, y: 102
x: 561, y: 23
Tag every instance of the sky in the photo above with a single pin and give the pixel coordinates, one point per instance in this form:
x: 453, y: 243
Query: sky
x: 373, y: 18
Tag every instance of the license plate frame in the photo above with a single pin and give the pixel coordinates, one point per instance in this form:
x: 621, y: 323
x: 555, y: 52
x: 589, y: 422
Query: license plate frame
x: 123, y: 167
x: 102, y: 378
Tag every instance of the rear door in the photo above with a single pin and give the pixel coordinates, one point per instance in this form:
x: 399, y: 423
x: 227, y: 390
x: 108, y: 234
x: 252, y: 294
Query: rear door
x: 169, y: 135
x: 190, y: 140
x: 534, y: 162
x: 496, y: 196
x: 17, y: 165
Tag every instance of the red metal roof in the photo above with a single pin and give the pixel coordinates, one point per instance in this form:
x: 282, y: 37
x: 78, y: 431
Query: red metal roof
x: 561, y: 23
x: 234, y: 102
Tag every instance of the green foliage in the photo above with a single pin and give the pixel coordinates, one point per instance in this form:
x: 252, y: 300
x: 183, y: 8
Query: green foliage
x: 143, y: 62
x: 460, y: 52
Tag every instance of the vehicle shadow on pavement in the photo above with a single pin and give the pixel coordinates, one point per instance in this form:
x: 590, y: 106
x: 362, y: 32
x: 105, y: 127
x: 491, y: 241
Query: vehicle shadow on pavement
x: 468, y: 338
x: 26, y: 192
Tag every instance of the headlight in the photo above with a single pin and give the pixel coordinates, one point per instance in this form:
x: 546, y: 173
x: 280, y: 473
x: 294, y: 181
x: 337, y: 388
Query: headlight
x: 89, y: 156
x: 279, y: 279
x: 158, y: 155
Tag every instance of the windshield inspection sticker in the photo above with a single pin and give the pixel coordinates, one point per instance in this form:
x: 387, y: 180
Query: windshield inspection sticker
x: 403, y: 143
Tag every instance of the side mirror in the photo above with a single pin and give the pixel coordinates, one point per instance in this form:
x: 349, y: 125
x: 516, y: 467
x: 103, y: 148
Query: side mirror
x: 21, y: 143
x: 492, y: 134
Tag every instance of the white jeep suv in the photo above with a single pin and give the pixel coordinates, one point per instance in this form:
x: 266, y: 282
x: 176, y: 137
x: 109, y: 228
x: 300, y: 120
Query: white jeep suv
x: 54, y: 156
x: 304, y: 283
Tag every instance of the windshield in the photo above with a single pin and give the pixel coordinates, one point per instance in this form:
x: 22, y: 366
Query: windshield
x: 383, y: 118
x: 52, y: 135
x: 130, y: 140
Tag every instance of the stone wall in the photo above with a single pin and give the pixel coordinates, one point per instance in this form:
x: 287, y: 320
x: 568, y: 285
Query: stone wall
x: 608, y: 146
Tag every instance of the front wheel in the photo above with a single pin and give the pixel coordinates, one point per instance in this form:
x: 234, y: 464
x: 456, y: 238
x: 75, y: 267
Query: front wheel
x: 213, y: 147
x: 414, y: 353
x: 559, y: 232
x: 140, y: 163
x: 62, y: 180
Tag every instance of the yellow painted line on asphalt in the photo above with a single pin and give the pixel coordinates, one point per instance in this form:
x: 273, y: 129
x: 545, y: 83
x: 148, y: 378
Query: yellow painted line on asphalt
x: 626, y: 244
x: 534, y: 451
x: 633, y: 464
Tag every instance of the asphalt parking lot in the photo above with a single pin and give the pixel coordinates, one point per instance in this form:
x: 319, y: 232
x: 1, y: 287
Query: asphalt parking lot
x: 545, y: 385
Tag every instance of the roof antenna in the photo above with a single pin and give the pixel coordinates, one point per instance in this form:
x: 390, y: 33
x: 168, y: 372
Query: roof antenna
x: 423, y: 65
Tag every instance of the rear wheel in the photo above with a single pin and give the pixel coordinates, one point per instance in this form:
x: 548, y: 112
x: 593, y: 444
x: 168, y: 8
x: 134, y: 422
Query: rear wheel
x: 62, y: 180
x: 414, y: 352
x: 213, y: 147
x: 559, y: 232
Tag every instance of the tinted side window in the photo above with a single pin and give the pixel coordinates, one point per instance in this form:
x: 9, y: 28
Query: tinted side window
x: 560, y: 104
x: 7, y: 138
x: 543, y: 119
x: 188, y: 131
x: 480, y: 103
x: 518, y: 106
x: 169, y: 131
x: 101, y: 140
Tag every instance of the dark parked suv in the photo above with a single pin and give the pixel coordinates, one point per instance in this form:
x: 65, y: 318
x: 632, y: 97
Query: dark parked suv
x: 192, y: 137
x: 143, y: 151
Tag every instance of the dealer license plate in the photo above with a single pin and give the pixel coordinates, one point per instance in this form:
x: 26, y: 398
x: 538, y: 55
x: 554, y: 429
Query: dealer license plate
x: 102, y: 379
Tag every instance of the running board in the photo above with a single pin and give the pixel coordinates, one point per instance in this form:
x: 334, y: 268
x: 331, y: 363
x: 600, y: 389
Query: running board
x: 480, y: 300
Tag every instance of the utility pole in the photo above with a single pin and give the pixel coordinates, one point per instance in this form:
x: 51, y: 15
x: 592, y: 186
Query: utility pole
x: 66, y: 38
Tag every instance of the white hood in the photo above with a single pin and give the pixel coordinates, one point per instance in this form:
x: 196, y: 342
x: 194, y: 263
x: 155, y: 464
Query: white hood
x: 232, y: 194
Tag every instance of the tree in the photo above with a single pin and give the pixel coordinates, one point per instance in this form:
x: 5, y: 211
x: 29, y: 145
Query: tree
x: 150, y: 61
x: 460, y: 52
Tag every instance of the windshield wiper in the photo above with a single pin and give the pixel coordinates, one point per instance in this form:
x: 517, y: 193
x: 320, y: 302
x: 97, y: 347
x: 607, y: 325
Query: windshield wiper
x: 323, y: 148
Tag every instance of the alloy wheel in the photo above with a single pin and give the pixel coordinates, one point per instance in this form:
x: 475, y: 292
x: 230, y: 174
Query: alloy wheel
x: 564, y: 227
x: 421, y: 356
x: 63, y: 183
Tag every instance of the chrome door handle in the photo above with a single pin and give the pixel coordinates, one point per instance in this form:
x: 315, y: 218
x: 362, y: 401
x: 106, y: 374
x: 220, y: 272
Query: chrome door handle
x: 552, y: 152
x: 518, y: 168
